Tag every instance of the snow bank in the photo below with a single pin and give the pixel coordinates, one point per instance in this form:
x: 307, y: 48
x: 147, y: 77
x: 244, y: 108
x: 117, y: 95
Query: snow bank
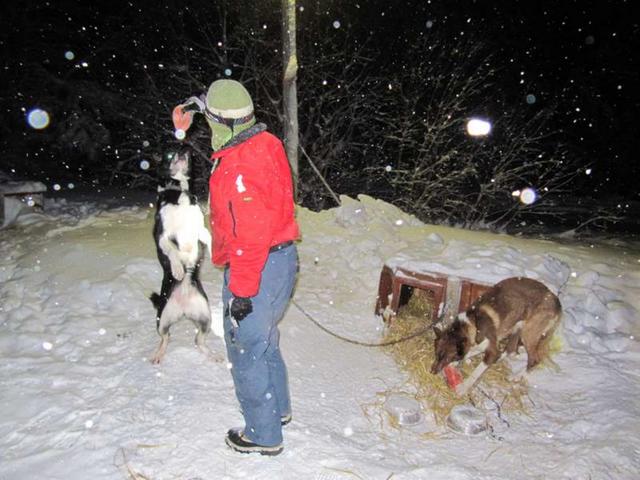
x: 81, y: 400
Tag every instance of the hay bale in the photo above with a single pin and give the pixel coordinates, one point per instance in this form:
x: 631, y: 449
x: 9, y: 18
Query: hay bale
x: 416, y: 355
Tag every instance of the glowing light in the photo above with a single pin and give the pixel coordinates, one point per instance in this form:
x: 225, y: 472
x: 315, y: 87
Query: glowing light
x: 588, y: 171
x: 57, y: 187
x: 388, y: 168
x: 528, y: 196
x: 429, y: 23
x: 336, y: 24
x: 180, y: 134
x: 144, y: 165
x: 38, y: 119
x: 531, y: 99
x: 477, y: 127
x: 227, y: 72
x: 69, y: 55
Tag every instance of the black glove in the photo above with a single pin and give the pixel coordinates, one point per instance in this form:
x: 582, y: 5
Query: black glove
x: 240, y: 307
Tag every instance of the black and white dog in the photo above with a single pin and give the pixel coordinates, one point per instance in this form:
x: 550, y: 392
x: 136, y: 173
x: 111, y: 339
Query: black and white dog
x: 181, y: 239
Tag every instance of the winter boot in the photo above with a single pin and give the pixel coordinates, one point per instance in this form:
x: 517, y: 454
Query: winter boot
x: 236, y: 440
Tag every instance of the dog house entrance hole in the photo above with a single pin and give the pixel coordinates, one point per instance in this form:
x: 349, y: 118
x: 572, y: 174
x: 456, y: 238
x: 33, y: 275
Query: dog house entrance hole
x: 417, y: 302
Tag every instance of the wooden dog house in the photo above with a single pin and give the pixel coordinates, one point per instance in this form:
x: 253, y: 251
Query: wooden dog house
x: 397, y: 284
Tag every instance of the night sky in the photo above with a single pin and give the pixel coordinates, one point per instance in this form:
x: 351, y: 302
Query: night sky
x: 579, y: 57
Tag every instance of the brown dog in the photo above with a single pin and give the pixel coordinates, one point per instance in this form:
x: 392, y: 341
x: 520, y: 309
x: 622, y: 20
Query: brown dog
x: 518, y: 310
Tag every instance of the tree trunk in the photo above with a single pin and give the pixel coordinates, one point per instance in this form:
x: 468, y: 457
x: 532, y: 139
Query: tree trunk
x: 289, y: 88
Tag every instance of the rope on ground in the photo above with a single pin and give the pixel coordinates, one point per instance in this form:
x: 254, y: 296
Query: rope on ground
x: 357, y: 342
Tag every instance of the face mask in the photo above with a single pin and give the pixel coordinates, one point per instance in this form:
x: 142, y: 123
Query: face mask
x: 220, y: 135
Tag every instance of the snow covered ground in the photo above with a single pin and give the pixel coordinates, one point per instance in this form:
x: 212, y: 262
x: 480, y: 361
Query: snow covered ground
x: 80, y: 399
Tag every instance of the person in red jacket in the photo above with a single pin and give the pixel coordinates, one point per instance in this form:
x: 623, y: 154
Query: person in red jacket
x: 254, y: 229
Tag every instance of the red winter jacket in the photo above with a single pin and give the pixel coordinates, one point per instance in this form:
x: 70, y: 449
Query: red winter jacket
x: 252, y: 209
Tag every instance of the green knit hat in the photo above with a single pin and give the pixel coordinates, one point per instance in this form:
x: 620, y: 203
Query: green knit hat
x: 229, y: 111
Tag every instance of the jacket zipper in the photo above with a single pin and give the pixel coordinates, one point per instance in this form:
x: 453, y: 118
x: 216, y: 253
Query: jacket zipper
x: 233, y: 218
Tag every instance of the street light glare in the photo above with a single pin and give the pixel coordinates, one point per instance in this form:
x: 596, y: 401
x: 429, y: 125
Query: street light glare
x: 478, y: 128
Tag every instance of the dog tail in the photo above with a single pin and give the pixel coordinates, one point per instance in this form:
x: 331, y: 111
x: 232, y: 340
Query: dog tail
x: 156, y: 299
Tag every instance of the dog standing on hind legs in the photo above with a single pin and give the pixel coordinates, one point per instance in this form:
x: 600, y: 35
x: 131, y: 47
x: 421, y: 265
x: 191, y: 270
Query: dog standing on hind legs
x: 181, y: 238
x: 516, y: 311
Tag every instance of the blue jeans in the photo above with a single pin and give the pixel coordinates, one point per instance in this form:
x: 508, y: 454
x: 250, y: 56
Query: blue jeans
x: 258, y: 370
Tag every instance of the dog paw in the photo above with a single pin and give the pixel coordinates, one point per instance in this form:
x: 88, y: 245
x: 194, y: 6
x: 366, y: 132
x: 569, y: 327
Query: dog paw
x: 177, y: 270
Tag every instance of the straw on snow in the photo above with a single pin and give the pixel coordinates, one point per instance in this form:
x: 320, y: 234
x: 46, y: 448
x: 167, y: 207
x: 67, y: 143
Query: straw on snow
x: 416, y: 355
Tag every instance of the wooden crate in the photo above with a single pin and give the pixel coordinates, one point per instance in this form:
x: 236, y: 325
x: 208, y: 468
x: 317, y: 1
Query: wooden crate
x: 393, y: 294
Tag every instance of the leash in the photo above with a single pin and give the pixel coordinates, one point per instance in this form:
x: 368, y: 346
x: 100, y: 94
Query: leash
x: 357, y: 342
